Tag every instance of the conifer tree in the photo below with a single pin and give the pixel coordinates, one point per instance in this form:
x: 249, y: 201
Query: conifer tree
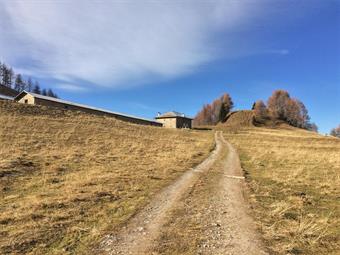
x: 36, y: 88
x: 6, y: 75
x: 19, y: 84
x: 1, y: 73
x: 44, y: 92
x: 29, y: 85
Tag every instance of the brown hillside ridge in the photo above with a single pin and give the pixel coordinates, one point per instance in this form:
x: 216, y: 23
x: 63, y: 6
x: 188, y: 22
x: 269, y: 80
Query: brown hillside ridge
x: 243, y: 118
x: 68, y: 178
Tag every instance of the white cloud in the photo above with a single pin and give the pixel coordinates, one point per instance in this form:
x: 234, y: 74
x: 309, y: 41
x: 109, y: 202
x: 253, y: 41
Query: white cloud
x: 71, y: 87
x: 279, y: 51
x: 111, y: 43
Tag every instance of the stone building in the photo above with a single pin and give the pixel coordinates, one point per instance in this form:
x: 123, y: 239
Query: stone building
x: 174, y: 120
x: 36, y: 99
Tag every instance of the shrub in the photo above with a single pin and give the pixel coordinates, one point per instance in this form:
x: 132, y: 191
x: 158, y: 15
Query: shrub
x: 336, y: 132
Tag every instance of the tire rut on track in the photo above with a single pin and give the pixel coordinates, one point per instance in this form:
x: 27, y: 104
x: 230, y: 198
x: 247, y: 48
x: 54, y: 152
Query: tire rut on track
x: 137, y: 236
x: 236, y: 234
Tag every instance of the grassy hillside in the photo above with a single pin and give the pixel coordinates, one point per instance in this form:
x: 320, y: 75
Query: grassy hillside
x: 294, y: 179
x: 68, y: 178
x: 242, y: 118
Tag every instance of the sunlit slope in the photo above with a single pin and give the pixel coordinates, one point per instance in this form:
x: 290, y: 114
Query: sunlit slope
x: 67, y: 178
x: 239, y: 119
x: 294, y: 177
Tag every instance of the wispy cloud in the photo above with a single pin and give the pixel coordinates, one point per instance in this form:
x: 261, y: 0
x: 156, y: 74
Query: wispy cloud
x: 279, y: 52
x: 71, y: 87
x: 111, y: 43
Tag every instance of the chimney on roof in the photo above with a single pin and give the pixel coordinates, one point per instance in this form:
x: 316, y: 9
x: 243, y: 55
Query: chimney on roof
x: 158, y: 114
x: 183, y: 115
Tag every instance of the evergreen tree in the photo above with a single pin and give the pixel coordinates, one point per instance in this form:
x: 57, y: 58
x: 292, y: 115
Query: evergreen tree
x: 19, y: 84
x: 6, y: 75
x: 10, y: 76
x: 29, y: 85
x: 6, y: 78
x: 1, y: 73
x: 36, y: 88
x: 50, y: 93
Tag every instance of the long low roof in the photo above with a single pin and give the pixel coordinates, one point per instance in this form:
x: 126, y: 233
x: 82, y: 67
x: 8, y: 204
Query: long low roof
x: 172, y: 114
x: 18, y: 97
x: 6, y: 91
x: 6, y: 97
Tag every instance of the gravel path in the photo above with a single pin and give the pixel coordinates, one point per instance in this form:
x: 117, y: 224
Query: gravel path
x: 235, y: 233
x: 233, y: 230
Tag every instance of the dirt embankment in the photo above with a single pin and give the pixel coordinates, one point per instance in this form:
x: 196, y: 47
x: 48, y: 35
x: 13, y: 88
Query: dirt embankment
x: 244, y: 118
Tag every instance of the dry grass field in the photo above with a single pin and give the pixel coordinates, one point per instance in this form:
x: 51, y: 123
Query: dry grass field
x: 294, y: 177
x: 68, y: 178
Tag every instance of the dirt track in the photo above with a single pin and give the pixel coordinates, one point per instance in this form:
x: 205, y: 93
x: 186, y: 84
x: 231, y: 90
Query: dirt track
x: 236, y: 235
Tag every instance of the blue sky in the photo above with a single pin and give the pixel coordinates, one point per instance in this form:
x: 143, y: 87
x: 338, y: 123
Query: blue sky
x: 141, y: 57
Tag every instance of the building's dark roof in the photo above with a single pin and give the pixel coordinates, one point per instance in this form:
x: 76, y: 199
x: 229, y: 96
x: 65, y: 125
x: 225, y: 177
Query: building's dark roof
x: 172, y: 114
x: 23, y: 93
x: 6, y: 91
x: 3, y: 97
